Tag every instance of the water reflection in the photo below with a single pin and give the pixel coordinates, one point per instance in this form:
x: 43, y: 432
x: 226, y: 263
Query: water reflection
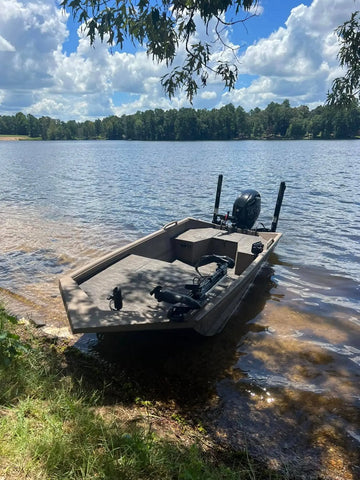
x: 297, y: 375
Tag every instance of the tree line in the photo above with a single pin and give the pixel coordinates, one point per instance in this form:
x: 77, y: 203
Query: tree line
x: 277, y: 120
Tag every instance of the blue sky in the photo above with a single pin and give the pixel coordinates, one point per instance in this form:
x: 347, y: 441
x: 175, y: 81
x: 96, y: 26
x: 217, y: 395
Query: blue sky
x: 48, y: 68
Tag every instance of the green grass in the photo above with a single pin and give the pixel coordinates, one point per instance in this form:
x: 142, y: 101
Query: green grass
x: 52, y: 427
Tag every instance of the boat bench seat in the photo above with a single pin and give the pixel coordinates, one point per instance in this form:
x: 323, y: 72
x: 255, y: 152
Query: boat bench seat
x: 194, y: 243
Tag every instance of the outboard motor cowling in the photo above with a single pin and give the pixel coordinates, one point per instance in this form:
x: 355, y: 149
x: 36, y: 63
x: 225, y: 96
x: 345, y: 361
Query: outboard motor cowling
x: 246, y: 209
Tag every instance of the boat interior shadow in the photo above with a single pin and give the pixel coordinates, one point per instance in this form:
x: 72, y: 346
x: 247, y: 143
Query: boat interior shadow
x: 181, y: 365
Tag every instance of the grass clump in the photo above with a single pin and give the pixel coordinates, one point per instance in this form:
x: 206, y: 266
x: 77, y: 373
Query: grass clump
x: 52, y: 427
x: 10, y: 344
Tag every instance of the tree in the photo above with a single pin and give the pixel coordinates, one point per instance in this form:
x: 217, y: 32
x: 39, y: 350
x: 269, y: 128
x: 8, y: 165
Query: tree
x: 185, y: 126
x: 33, y: 126
x: 296, y: 128
x: 242, y: 123
x: 162, y: 27
x: 278, y: 117
x: 346, y: 89
x: 98, y: 128
x: 258, y: 122
x: 21, y: 124
x: 89, y: 130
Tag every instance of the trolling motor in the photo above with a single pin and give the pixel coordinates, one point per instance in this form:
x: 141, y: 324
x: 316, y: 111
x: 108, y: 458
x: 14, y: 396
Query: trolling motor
x: 168, y: 296
x: 182, y: 303
x: 246, y: 209
x: 204, y: 283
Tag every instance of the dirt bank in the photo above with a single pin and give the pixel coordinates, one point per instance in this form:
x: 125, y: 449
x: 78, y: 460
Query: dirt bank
x: 13, y: 137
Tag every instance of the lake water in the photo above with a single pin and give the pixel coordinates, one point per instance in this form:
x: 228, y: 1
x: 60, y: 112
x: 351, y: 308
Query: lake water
x: 284, y: 376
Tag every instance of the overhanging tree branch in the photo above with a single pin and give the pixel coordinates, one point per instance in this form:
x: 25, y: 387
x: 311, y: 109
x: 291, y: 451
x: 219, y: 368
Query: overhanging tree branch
x: 162, y: 26
x: 346, y: 90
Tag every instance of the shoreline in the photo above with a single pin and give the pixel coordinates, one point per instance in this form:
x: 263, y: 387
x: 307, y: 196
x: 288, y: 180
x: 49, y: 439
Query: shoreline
x: 269, y: 138
x: 9, y: 138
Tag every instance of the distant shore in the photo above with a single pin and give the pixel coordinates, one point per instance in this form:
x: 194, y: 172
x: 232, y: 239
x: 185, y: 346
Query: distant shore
x: 268, y: 138
x: 13, y: 137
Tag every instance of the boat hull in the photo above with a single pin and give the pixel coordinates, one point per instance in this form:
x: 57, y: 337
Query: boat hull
x: 167, y: 258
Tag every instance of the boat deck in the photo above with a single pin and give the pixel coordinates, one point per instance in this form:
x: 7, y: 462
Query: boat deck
x: 134, y: 270
x: 137, y: 276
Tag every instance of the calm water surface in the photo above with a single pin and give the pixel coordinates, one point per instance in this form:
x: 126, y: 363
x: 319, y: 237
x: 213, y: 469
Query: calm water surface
x: 289, y: 360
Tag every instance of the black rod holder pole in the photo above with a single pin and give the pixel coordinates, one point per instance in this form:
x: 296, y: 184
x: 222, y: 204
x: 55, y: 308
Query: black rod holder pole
x: 217, y: 198
x: 278, y: 206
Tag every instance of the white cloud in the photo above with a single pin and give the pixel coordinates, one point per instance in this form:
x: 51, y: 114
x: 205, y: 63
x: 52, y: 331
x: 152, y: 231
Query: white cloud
x: 298, y: 61
x: 208, y: 95
x: 32, y: 31
x: 6, y: 46
x: 256, y: 9
x: 82, y: 84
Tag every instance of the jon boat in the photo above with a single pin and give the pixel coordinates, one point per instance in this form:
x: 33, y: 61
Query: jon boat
x: 191, y: 274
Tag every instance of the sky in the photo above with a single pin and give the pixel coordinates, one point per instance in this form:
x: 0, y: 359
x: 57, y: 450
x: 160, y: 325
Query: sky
x: 287, y: 50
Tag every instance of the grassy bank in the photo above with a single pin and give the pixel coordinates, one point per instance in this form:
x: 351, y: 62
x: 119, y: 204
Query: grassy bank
x: 56, y: 425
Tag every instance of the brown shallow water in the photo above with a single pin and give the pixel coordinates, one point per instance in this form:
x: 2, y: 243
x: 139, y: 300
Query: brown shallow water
x: 293, y: 396
x: 282, y: 379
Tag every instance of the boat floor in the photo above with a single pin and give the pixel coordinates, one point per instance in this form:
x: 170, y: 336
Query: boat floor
x: 137, y: 276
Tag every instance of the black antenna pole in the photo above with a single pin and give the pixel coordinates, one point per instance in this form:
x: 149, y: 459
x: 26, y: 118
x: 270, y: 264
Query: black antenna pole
x: 278, y: 206
x: 217, y: 199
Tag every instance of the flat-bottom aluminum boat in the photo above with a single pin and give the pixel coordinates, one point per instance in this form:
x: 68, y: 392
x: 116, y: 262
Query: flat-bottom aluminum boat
x: 191, y: 274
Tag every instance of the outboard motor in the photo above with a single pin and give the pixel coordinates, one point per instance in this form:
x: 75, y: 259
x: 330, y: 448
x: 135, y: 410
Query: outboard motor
x: 246, y: 209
